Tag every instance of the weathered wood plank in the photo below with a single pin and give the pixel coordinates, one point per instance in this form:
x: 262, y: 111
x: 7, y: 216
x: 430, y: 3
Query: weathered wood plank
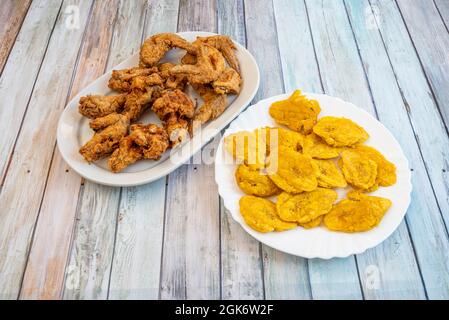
x: 300, y: 70
x: 190, y: 262
x: 138, y: 245
x: 28, y: 169
x: 430, y: 38
x: 241, y: 265
x: 45, y: 270
x: 137, y: 253
x: 424, y: 221
x: 87, y: 274
x: 389, y: 253
x: 12, y: 14
x: 443, y: 9
x: 391, y: 283
x: 263, y: 44
x: 100, y: 203
x: 18, y: 78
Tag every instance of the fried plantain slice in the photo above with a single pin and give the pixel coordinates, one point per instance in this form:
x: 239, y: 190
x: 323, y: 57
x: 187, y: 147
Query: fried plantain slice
x: 305, y: 207
x: 297, y: 112
x: 253, y: 182
x: 386, y: 171
x: 312, y: 224
x: 340, y: 132
x: 261, y: 215
x: 359, y: 170
x: 246, y: 147
x: 317, y: 148
x: 361, y: 213
x: 330, y: 176
x: 292, y: 171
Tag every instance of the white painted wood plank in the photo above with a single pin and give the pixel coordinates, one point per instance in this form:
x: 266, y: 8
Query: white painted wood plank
x: 443, y: 9
x: 12, y: 14
x: 137, y: 253
x: 92, y: 273
x: 24, y: 185
x: 138, y: 245
x: 241, y: 265
x: 431, y: 40
x: 190, y: 264
x: 424, y: 221
x: 300, y: 70
x: 263, y: 43
x: 45, y: 270
x: 18, y: 78
x: 87, y: 274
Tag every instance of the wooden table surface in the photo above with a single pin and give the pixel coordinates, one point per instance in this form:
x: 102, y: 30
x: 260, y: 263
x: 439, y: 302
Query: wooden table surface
x: 64, y: 237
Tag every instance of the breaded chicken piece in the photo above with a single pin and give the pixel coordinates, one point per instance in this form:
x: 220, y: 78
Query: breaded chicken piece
x: 213, y: 106
x: 171, y: 81
x: 95, y: 106
x: 223, y: 44
x: 155, y: 47
x: 209, y: 65
x: 121, y: 80
x: 139, y: 100
x: 106, y: 140
x: 174, y: 108
x: 228, y: 82
x: 143, y: 142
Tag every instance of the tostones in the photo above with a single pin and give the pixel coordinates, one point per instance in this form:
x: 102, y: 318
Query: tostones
x: 361, y: 213
x: 292, y: 171
x: 359, y: 170
x: 261, y: 215
x: 284, y: 137
x: 246, y: 148
x: 315, y: 146
x: 253, y: 182
x: 329, y: 175
x: 307, y: 206
x: 340, y: 132
x: 386, y: 171
x: 297, y: 112
x: 312, y: 224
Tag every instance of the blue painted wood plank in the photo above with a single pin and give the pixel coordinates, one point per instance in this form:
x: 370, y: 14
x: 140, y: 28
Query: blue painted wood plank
x: 263, y: 44
x: 425, y: 223
x: 443, y: 9
x: 343, y: 75
x: 431, y: 40
x: 329, y: 279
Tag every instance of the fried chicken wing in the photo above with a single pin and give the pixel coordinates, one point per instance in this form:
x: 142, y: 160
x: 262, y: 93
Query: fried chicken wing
x: 209, y: 65
x: 155, y: 47
x: 228, y: 82
x: 143, y: 142
x: 106, y: 140
x: 213, y: 106
x: 126, y: 154
x: 122, y: 80
x: 174, y: 108
x: 223, y: 44
x: 95, y: 106
x: 139, y: 100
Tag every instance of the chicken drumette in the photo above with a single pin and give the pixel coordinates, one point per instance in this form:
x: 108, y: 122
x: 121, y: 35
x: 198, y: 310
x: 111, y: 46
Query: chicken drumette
x: 174, y: 108
x: 143, y: 142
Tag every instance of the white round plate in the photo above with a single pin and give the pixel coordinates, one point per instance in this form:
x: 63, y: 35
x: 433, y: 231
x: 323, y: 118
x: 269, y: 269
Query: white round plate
x: 73, y: 129
x: 321, y: 242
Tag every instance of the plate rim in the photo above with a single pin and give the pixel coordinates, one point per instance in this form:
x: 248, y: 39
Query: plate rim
x: 196, y: 148
x: 327, y: 256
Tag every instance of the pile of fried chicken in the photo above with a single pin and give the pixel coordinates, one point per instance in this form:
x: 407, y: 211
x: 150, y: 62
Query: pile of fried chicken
x: 209, y: 66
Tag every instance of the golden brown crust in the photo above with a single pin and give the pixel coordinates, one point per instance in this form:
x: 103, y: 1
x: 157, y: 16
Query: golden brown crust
x: 95, y: 106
